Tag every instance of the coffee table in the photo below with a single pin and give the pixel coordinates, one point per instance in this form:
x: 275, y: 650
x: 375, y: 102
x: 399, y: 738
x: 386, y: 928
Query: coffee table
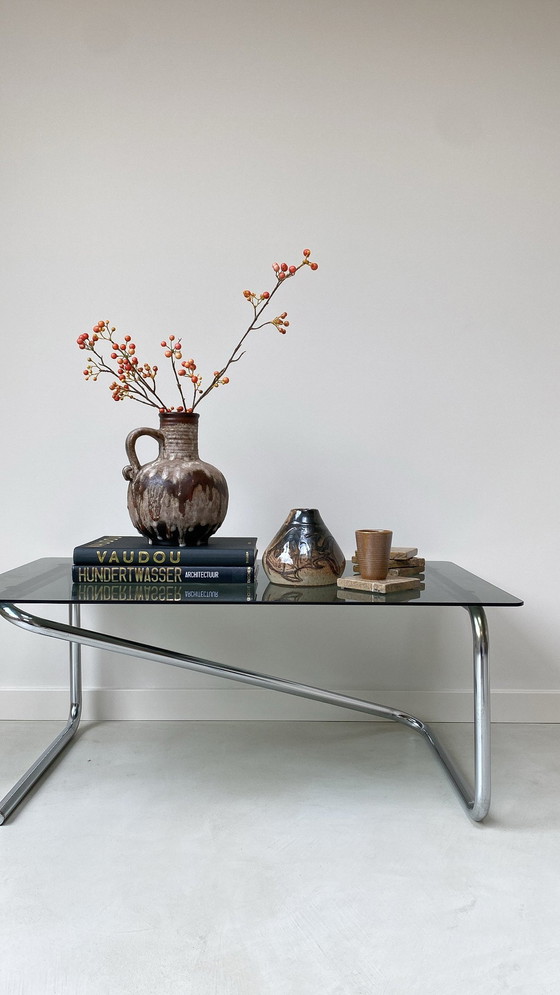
x: 446, y: 585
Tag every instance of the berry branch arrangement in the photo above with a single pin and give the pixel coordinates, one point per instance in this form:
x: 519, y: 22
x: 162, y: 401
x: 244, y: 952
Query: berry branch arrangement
x: 138, y: 381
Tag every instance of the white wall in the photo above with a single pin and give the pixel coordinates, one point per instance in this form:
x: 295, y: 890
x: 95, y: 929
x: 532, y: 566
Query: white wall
x: 158, y: 157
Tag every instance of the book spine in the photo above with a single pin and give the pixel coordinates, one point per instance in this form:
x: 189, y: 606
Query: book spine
x: 185, y: 556
x: 87, y: 574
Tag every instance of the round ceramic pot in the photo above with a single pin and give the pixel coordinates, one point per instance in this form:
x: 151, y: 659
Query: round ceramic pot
x: 303, y: 552
x: 177, y: 499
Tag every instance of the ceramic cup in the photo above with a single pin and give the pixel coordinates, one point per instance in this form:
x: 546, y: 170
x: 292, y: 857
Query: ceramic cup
x: 374, y: 549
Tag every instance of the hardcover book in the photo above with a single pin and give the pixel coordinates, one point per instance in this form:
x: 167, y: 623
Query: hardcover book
x: 130, y: 551
x: 89, y: 573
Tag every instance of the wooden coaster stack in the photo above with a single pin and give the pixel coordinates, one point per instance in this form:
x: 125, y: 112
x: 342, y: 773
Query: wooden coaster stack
x: 406, y: 572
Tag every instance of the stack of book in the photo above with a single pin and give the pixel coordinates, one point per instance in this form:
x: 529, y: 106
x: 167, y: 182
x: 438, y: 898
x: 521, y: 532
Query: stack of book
x: 129, y: 565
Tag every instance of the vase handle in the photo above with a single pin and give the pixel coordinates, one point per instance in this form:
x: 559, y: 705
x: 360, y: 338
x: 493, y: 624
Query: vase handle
x: 129, y: 472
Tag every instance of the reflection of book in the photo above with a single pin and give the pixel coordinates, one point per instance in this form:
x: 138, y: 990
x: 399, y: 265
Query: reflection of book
x: 163, y: 593
x: 97, y: 574
x: 128, y: 551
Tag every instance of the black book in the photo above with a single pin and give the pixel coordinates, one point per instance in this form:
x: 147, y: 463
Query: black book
x: 97, y: 573
x: 131, y: 551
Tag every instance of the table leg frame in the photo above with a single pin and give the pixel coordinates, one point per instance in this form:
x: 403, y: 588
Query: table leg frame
x: 37, y: 769
x: 476, y: 800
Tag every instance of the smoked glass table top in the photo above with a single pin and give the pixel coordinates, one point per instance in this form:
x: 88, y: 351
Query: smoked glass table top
x: 49, y: 581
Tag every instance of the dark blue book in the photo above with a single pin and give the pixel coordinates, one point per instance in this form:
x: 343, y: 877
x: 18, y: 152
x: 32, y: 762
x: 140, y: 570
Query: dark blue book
x: 142, y: 573
x: 131, y: 551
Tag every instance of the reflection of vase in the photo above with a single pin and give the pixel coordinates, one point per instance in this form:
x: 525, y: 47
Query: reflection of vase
x: 177, y: 498
x: 303, y: 552
x: 294, y: 595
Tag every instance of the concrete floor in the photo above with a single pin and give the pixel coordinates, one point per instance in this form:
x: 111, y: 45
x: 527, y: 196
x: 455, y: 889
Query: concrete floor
x: 280, y: 858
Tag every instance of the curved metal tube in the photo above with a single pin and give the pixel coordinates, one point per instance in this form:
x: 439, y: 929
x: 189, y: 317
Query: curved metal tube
x: 37, y: 769
x: 476, y: 806
x: 482, y: 717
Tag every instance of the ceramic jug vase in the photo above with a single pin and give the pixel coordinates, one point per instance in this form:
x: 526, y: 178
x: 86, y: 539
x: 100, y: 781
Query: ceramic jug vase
x: 177, y: 499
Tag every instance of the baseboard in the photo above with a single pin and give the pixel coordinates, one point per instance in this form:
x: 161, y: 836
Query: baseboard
x: 253, y: 703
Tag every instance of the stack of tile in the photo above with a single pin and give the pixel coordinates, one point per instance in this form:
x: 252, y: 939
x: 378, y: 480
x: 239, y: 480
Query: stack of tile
x: 404, y: 562
x: 405, y: 573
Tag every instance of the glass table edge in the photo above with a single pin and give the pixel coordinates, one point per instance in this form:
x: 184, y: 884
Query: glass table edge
x: 261, y: 592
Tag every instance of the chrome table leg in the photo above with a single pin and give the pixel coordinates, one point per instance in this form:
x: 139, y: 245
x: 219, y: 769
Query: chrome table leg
x: 480, y: 803
x: 476, y: 801
x: 37, y: 769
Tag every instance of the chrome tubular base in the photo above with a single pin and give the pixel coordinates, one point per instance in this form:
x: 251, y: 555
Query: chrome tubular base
x: 37, y: 769
x: 476, y: 801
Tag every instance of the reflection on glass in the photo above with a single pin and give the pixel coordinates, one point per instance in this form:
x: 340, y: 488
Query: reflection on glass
x: 300, y: 595
x: 367, y: 597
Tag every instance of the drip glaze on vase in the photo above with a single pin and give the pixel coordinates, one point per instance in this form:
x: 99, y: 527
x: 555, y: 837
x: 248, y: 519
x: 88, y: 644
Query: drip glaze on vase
x: 303, y: 552
x: 177, y: 499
